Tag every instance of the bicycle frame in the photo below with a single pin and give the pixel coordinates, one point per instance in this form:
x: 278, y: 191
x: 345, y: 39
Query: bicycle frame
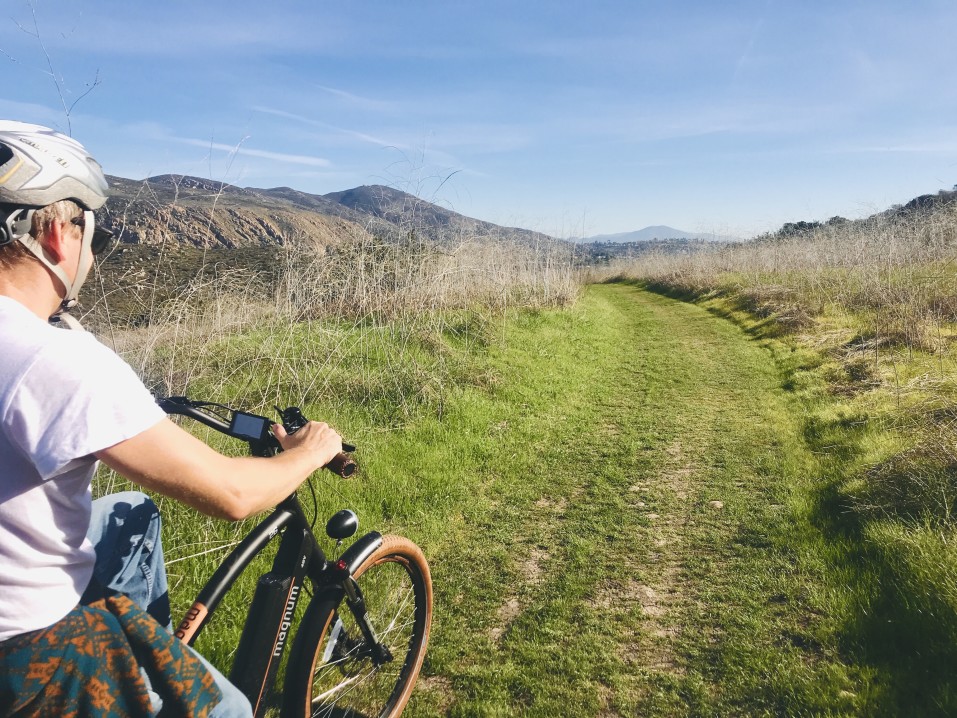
x: 267, y: 628
x: 268, y: 623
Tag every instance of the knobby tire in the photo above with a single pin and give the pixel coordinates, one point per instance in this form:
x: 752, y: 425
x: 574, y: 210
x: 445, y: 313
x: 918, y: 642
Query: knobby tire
x: 326, y: 677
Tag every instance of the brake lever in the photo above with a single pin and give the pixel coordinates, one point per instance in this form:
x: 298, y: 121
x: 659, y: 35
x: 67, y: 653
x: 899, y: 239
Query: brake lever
x: 293, y: 420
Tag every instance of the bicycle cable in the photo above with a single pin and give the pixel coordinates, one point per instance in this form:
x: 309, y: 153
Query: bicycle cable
x: 204, y: 406
x: 312, y: 526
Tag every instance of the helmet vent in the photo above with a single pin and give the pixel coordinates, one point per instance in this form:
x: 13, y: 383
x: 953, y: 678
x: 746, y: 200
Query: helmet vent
x: 6, y: 154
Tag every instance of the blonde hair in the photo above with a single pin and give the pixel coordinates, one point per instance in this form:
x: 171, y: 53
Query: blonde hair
x: 64, y: 210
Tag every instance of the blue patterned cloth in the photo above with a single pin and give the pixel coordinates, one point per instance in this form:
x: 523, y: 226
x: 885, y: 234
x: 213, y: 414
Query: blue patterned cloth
x: 88, y: 664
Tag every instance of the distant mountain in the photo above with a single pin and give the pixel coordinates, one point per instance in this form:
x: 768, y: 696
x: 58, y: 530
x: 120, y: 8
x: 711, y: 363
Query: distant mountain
x: 203, y: 213
x: 408, y: 212
x: 655, y: 232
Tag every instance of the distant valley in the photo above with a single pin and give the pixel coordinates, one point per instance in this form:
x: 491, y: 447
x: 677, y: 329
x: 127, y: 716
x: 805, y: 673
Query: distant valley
x: 657, y: 232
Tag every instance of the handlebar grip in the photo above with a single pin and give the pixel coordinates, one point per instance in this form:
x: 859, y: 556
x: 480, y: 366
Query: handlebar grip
x: 342, y: 464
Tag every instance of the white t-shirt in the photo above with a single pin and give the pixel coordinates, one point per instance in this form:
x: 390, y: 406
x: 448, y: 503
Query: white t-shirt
x: 63, y: 396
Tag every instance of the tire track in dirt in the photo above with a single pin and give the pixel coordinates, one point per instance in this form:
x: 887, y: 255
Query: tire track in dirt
x: 531, y: 560
x: 660, y: 595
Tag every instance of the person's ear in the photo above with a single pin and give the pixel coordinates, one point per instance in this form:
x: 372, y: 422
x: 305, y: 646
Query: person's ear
x: 53, y: 240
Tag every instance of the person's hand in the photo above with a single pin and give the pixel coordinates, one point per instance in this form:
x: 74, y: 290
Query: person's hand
x: 316, y: 437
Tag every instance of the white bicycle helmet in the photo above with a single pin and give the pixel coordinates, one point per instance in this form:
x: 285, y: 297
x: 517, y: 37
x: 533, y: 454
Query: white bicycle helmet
x: 40, y: 166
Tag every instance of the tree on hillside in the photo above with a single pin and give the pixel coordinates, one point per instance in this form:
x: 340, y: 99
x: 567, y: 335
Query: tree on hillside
x: 791, y: 229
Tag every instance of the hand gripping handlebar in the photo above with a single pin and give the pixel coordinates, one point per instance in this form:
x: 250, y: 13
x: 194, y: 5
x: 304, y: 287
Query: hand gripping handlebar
x: 252, y: 428
x: 342, y: 463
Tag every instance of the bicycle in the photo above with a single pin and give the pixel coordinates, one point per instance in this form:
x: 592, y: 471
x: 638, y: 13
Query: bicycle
x: 361, y: 641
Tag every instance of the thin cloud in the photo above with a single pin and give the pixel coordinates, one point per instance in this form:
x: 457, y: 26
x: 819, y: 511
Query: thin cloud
x: 942, y: 147
x: 362, y: 136
x: 239, y: 149
x: 33, y: 112
x: 199, y: 25
x: 365, y: 103
x: 282, y: 113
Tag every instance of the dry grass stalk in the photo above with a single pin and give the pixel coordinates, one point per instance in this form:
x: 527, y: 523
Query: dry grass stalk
x: 895, y: 273
x: 235, y: 331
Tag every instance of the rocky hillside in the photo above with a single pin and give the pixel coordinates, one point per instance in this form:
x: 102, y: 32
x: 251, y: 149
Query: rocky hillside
x: 201, y: 213
x: 193, y: 212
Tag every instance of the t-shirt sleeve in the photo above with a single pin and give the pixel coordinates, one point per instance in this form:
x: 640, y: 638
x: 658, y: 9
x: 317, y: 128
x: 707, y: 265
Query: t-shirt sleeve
x: 77, y: 397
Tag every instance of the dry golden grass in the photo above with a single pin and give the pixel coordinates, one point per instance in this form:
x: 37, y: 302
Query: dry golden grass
x: 893, y: 277
x: 277, y: 328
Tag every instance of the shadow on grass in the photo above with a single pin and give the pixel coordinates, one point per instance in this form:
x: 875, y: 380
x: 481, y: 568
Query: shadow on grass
x: 897, y: 625
x: 760, y: 325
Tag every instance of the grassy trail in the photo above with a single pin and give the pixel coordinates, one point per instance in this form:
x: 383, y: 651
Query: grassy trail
x: 623, y: 534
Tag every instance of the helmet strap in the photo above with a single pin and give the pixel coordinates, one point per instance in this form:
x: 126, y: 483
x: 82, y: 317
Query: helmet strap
x: 85, y: 262
x: 65, y: 320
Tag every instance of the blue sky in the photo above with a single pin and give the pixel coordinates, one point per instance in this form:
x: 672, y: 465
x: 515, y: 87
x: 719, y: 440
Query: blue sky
x: 730, y: 117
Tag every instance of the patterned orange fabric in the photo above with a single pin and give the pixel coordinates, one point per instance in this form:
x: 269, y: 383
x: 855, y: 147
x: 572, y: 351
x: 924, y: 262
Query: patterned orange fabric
x: 88, y: 665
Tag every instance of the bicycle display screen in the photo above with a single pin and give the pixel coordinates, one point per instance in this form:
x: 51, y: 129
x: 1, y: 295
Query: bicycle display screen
x: 249, y: 426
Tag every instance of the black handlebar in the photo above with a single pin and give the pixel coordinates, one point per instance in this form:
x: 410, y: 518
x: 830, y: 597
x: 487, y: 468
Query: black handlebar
x: 185, y: 407
x: 252, y: 428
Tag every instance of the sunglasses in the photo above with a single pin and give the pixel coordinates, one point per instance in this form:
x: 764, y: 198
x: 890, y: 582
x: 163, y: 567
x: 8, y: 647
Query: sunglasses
x: 102, y: 238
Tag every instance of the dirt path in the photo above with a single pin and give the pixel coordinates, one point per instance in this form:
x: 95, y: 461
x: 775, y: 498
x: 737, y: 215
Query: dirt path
x: 627, y: 558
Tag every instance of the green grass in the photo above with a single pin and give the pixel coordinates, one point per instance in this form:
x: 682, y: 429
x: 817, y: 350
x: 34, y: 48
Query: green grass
x: 631, y: 507
x: 880, y: 506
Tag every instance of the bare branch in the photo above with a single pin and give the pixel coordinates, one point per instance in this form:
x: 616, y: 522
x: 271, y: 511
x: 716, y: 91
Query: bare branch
x: 90, y: 88
x: 56, y: 81
x: 10, y: 57
x: 23, y: 29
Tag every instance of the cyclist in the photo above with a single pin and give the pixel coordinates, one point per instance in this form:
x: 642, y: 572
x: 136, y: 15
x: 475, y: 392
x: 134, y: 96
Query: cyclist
x: 82, y: 584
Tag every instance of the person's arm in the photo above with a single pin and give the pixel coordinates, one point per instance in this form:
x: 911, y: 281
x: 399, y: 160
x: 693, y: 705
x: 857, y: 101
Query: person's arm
x: 173, y: 462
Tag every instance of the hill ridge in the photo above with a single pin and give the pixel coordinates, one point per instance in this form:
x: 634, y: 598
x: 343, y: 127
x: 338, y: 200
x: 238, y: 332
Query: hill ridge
x: 208, y: 213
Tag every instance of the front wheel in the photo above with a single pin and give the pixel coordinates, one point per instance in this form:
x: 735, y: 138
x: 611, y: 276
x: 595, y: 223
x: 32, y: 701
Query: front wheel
x: 331, y: 671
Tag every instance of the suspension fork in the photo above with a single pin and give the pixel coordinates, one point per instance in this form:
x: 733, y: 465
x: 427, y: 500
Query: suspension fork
x: 376, y: 650
x: 346, y: 566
